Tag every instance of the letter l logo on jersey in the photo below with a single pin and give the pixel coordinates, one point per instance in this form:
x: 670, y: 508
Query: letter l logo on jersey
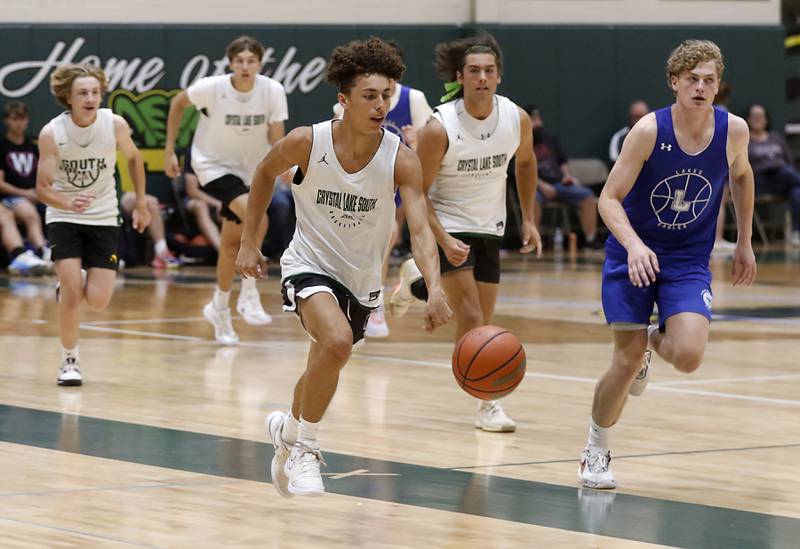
x: 678, y: 204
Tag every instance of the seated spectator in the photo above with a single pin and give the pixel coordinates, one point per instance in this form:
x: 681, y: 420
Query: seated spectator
x: 164, y: 259
x: 773, y: 165
x: 23, y: 262
x: 556, y: 183
x: 636, y: 111
x: 19, y: 157
x: 204, y: 207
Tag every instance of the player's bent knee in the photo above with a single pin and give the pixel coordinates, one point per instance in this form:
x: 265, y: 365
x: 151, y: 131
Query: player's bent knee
x: 629, y: 364
x: 337, y: 346
x: 688, y: 361
x: 470, y: 317
x: 69, y: 296
x: 98, y: 301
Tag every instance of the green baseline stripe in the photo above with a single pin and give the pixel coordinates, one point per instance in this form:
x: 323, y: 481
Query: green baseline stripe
x: 611, y: 514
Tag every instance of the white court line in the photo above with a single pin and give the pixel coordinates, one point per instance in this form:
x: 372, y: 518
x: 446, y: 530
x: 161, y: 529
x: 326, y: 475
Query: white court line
x: 143, y: 321
x: 723, y: 380
x: 757, y: 319
x: 81, y: 533
x: 141, y: 333
x: 729, y: 395
x: 166, y: 320
x: 282, y: 346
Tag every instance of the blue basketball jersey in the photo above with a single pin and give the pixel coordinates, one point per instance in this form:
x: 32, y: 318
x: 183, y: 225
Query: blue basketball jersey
x: 400, y: 115
x: 674, y: 203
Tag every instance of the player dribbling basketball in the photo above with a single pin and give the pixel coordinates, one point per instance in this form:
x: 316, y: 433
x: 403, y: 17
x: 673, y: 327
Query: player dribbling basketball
x: 465, y: 150
x: 331, y: 271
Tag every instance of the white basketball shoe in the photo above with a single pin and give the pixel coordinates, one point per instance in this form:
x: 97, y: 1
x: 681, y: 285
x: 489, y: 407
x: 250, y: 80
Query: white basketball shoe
x: 491, y: 417
x: 69, y: 375
x: 594, y: 471
x: 280, y: 479
x: 376, y: 324
x: 402, y: 297
x: 249, y: 306
x: 302, y: 468
x: 223, y: 327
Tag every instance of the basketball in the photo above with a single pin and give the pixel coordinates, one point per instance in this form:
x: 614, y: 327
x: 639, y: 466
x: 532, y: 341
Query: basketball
x: 489, y: 362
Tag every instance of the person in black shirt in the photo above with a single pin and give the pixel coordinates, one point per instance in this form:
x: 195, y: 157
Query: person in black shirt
x: 19, y: 157
x: 557, y: 183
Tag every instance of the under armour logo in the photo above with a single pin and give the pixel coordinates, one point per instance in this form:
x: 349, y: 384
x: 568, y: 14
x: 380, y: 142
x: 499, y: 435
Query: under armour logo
x: 485, y: 136
x: 323, y: 160
x: 666, y: 147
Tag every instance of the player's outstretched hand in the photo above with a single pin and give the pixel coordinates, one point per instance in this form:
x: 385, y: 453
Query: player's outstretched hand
x: 455, y: 250
x: 250, y: 263
x: 141, y: 217
x: 171, y: 166
x: 642, y: 265
x: 531, y: 239
x: 743, y: 269
x: 437, y: 311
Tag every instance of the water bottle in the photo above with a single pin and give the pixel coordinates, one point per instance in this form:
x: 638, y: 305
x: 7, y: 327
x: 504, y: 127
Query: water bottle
x: 558, y: 239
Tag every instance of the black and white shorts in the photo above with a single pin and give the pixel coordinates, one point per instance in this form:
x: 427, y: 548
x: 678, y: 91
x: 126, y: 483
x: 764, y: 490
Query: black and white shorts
x: 96, y: 245
x: 226, y: 189
x: 303, y: 286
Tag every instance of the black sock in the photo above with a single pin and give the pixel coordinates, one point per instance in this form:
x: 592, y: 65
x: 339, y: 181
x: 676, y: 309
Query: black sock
x: 419, y: 290
x: 17, y: 251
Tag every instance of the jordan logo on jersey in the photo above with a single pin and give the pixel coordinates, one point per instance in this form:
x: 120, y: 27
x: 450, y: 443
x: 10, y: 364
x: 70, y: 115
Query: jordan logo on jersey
x: 323, y: 160
x: 84, y: 172
x: 680, y: 199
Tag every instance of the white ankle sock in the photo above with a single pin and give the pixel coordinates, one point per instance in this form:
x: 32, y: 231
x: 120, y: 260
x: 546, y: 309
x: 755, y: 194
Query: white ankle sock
x: 248, y: 284
x: 69, y: 353
x: 221, y: 299
x: 598, y: 436
x: 308, y: 432
x: 161, y: 247
x: 290, y: 429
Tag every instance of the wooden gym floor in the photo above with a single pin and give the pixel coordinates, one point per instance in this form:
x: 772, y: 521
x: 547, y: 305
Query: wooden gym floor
x: 164, y: 445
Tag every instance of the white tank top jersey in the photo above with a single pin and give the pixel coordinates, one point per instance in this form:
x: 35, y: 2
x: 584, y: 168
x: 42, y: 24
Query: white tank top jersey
x: 231, y: 136
x: 469, y: 193
x: 86, y: 161
x: 344, y: 220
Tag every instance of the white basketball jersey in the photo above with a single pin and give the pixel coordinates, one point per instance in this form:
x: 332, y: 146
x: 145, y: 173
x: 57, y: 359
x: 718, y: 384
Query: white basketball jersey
x: 231, y: 135
x: 344, y: 220
x: 469, y: 194
x: 86, y: 161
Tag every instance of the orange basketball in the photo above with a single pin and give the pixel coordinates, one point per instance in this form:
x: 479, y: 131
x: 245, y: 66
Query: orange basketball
x: 489, y: 362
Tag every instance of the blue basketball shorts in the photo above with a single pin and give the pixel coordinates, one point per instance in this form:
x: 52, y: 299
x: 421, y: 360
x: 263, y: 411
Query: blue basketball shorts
x: 680, y: 287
